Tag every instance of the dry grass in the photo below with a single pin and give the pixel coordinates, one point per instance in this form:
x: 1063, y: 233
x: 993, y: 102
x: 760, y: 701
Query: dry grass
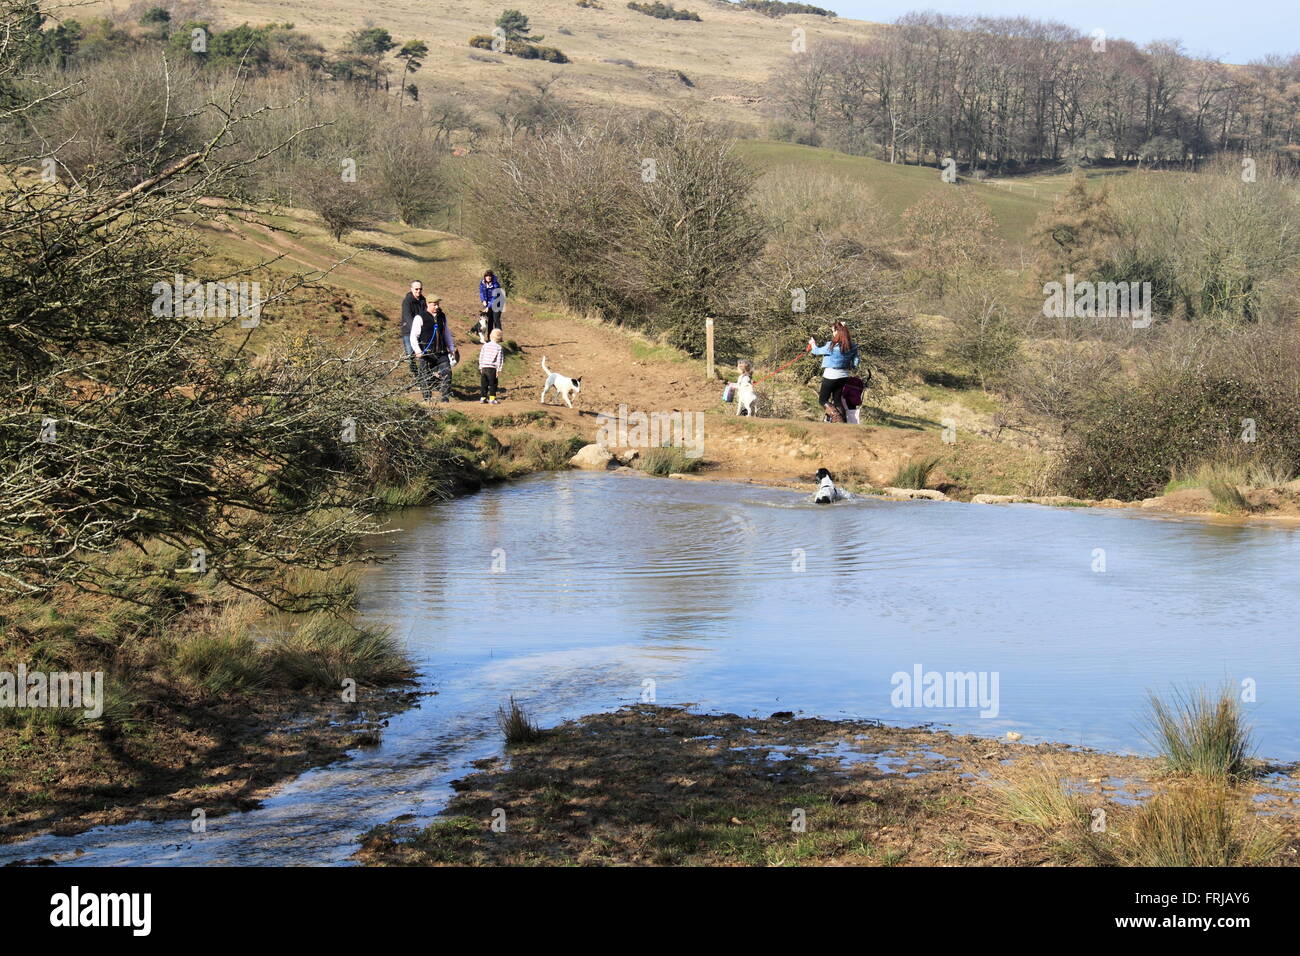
x: 1034, y: 794
x: 1198, y: 824
x: 914, y: 474
x: 324, y: 651
x: 726, y: 56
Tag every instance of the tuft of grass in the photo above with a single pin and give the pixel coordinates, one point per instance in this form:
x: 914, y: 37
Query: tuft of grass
x: 226, y: 659
x: 220, y: 664
x: 1228, y: 499
x: 530, y: 453
x: 1199, y: 735
x: 325, y: 650
x: 1197, y: 824
x: 516, y: 726
x: 1228, y: 477
x: 667, y: 460
x: 914, y: 474
x: 1035, y: 795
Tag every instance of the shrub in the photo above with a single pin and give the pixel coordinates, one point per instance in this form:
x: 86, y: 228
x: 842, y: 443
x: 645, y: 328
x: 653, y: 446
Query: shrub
x: 1200, y: 735
x: 566, y: 212
x: 985, y: 339
x: 1181, y: 409
x: 662, y: 11
x: 521, y: 49
x: 343, y: 207
x: 779, y: 8
x: 1213, y: 247
x: 949, y: 232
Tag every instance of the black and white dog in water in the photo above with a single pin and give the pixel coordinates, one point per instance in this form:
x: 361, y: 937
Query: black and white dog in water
x: 826, y: 490
x: 567, y: 388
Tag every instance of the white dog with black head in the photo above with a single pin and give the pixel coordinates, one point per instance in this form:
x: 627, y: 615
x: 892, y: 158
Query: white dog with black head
x: 567, y: 388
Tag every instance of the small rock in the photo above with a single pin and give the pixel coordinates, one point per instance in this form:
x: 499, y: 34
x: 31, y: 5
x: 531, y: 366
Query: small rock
x: 928, y: 494
x: 1012, y: 735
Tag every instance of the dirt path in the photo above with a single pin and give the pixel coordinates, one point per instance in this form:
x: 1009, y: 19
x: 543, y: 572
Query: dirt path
x: 617, y: 367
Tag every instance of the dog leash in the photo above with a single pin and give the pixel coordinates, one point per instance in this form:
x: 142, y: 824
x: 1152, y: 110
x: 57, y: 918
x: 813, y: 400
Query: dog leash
x: 785, y: 366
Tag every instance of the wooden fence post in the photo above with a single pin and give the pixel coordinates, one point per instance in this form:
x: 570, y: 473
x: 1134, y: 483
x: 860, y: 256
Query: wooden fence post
x: 708, y: 347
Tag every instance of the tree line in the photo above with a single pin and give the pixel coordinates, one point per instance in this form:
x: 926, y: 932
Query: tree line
x: 997, y: 93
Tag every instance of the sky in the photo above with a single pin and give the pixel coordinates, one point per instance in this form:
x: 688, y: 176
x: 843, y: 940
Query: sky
x: 1235, y: 31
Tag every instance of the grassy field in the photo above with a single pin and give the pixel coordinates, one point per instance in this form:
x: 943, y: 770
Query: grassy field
x: 725, y: 57
x: 897, y: 186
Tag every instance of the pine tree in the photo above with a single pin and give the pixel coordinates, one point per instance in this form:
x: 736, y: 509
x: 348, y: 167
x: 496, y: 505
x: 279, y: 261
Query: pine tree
x: 1077, y: 235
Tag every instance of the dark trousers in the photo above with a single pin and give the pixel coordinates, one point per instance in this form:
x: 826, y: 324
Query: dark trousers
x: 487, y: 382
x: 831, y: 388
x: 410, y: 357
x: 492, y: 319
x: 435, y: 368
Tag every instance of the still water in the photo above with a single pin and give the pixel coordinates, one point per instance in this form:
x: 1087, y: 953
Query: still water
x: 610, y: 589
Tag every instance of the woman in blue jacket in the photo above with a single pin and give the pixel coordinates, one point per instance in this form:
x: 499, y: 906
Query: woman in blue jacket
x: 492, y: 299
x: 839, y: 356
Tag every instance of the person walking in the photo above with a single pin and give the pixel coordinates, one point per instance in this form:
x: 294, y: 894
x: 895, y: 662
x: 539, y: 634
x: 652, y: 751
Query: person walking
x: 492, y: 301
x: 435, y: 351
x: 839, y: 358
x: 412, y: 305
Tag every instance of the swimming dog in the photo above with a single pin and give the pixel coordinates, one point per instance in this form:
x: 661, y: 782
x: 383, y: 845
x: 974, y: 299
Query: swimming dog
x: 826, y: 490
x: 567, y: 388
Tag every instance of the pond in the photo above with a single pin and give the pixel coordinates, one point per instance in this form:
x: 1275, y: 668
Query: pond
x: 576, y: 592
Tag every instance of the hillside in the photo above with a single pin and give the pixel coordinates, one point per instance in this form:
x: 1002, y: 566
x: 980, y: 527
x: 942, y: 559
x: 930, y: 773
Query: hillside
x: 726, y: 57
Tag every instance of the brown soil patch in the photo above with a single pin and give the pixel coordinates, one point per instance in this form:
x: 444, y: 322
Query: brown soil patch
x: 655, y: 785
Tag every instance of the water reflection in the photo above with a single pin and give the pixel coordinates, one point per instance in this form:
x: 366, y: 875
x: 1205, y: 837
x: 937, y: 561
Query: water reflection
x: 615, y: 584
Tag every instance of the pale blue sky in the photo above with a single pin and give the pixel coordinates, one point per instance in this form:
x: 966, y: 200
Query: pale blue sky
x: 1235, y: 31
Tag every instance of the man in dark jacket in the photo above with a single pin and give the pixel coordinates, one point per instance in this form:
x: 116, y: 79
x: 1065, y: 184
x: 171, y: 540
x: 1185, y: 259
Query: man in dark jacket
x: 414, y: 304
x: 435, y: 351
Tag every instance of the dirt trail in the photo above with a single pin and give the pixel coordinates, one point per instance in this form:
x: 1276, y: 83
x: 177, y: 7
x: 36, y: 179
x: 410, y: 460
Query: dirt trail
x: 617, y: 367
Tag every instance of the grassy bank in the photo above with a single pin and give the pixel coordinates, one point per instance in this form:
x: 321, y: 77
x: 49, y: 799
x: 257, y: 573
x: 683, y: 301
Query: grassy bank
x: 652, y: 785
x: 212, y: 695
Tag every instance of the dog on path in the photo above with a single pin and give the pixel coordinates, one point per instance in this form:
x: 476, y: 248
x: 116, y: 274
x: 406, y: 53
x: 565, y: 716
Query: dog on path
x: 567, y: 388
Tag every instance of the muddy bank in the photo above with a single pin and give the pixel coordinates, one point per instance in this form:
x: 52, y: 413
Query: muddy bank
x: 218, y: 757
x: 651, y: 785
